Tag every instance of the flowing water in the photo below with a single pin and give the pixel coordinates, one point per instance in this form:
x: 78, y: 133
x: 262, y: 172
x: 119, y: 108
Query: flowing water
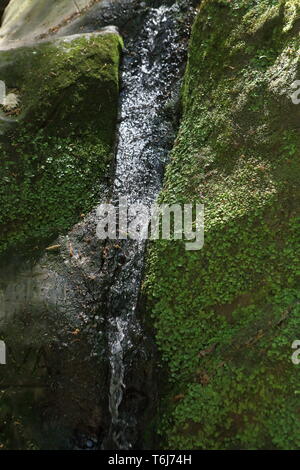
x: 152, y: 67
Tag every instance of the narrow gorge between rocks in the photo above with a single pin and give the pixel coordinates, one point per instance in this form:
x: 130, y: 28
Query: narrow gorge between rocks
x: 150, y: 77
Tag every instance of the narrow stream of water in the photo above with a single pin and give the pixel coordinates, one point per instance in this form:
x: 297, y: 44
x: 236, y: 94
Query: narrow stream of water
x: 151, y: 72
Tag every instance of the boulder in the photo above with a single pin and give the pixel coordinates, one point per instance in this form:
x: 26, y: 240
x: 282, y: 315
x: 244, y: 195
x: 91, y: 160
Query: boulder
x: 56, y: 144
x: 25, y: 20
x: 226, y: 316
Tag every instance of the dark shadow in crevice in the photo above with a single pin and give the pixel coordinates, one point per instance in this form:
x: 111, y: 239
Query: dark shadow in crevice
x: 3, y: 5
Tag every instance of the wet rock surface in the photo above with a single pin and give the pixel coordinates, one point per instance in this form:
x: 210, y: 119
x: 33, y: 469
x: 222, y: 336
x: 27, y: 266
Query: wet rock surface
x: 55, y: 343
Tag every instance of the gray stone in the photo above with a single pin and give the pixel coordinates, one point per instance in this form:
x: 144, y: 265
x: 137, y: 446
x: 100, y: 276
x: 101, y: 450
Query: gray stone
x: 25, y: 20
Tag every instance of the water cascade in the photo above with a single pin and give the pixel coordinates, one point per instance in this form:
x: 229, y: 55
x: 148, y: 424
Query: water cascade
x: 151, y: 72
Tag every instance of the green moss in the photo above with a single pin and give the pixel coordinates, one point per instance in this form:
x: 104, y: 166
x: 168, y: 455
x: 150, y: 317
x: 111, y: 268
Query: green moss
x: 59, y: 150
x: 226, y: 316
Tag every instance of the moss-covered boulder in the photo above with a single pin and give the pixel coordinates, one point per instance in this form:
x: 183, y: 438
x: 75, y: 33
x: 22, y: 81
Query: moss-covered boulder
x: 57, y: 129
x: 226, y: 316
x: 57, y: 134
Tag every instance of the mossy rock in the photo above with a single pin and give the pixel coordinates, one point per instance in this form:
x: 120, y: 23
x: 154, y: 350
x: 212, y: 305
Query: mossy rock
x: 226, y: 316
x: 56, y: 146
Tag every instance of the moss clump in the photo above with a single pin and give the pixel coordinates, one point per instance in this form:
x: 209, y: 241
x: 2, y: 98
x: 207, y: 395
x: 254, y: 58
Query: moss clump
x: 226, y: 316
x: 59, y: 149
